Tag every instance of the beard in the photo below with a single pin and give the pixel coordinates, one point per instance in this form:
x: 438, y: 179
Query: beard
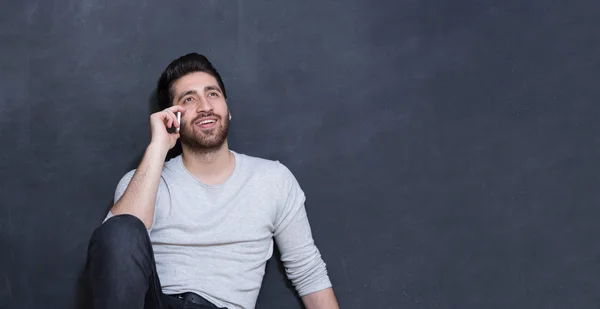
x: 205, y: 140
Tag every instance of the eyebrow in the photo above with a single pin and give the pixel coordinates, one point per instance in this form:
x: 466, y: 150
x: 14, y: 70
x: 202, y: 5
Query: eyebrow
x: 207, y: 88
x: 212, y: 87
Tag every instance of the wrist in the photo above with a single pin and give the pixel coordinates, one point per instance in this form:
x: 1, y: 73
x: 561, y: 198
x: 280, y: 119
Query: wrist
x: 158, y: 149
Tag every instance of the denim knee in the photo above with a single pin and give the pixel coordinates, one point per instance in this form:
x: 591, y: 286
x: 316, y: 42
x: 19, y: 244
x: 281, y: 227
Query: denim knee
x: 120, y: 232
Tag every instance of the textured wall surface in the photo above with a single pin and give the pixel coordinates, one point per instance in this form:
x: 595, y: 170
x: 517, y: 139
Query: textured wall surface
x: 449, y: 150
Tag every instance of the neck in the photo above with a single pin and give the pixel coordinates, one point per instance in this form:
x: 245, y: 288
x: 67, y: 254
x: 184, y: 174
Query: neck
x: 211, y: 166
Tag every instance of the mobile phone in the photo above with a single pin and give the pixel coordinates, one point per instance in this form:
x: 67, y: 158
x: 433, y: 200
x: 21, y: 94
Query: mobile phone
x: 174, y: 129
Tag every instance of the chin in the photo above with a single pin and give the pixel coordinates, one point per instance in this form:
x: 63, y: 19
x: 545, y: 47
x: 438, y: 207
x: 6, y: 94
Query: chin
x: 200, y: 141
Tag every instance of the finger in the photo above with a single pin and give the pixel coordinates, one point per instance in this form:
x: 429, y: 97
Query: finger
x: 163, y: 115
x: 167, y: 117
x: 175, y: 109
x: 175, y: 121
x: 171, y: 115
x: 174, y: 136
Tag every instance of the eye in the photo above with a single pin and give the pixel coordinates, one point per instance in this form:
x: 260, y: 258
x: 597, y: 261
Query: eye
x: 213, y: 94
x: 188, y: 99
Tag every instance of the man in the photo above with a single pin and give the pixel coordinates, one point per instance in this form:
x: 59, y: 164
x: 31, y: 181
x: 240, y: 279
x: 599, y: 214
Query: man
x: 196, y: 231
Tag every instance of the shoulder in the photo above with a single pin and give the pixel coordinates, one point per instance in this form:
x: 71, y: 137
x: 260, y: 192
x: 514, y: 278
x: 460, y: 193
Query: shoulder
x: 172, y: 165
x: 271, y: 174
x: 268, y: 168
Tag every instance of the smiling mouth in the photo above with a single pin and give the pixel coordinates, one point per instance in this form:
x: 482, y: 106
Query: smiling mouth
x: 205, y: 124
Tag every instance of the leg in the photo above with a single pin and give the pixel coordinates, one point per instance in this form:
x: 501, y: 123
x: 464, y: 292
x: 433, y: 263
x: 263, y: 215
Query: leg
x: 121, y: 267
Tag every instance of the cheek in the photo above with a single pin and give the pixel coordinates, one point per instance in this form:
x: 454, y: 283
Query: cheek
x: 186, y: 120
x: 189, y: 114
x: 221, y: 107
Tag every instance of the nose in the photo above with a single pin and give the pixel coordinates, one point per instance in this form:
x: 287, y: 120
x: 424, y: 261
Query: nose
x: 203, y: 106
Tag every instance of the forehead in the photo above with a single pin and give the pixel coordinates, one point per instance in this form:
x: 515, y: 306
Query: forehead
x: 194, y: 81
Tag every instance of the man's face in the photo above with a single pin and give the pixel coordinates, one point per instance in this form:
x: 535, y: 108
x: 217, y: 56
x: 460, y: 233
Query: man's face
x: 205, y: 122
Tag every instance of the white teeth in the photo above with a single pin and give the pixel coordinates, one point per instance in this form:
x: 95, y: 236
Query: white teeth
x: 207, y: 121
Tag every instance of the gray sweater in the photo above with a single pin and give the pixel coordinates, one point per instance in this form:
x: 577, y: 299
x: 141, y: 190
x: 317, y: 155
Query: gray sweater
x: 216, y: 240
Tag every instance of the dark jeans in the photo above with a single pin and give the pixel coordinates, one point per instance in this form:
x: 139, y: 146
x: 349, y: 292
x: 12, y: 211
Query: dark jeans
x: 122, y: 272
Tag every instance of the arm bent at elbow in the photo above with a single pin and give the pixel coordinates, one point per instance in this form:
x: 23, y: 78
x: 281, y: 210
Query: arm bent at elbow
x: 139, y: 194
x: 323, y: 299
x: 302, y: 260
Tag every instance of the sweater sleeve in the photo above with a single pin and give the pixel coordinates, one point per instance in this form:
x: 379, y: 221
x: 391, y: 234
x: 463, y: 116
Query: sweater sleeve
x: 300, y: 256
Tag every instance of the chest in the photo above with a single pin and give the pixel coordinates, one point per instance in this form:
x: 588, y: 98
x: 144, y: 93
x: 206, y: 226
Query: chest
x: 207, y: 216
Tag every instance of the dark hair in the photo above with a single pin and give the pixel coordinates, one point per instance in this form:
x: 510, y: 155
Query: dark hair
x: 192, y: 62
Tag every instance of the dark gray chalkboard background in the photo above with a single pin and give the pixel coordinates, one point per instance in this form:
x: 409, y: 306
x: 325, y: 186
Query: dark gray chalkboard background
x: 450, y: 150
